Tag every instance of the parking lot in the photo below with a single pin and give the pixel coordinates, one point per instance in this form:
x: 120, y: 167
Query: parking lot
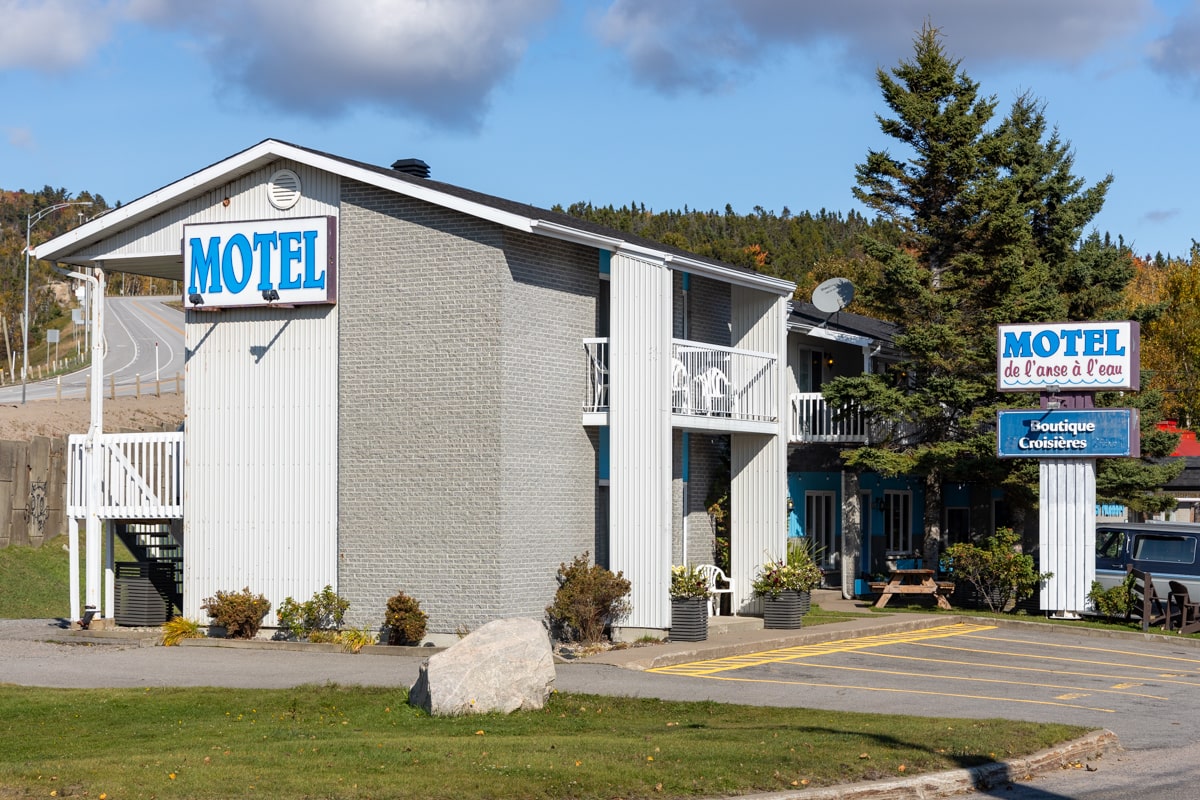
x: 1144, y: 688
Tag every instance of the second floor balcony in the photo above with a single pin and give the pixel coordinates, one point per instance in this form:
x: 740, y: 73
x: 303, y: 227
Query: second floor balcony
x: 709, y: 383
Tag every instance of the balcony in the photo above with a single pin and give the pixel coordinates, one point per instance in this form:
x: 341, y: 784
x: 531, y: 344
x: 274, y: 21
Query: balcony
x: 141, y: 476
x: 812, y: 420
x: 709, y: 383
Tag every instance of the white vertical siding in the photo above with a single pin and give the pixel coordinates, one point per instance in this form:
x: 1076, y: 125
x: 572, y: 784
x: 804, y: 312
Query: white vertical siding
x: 1067, y: 537
x: 758, y: 463
x: 261, y: 479
x: 640, y: 434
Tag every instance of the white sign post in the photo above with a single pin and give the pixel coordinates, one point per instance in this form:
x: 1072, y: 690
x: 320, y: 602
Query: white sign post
x: 1067, y: 362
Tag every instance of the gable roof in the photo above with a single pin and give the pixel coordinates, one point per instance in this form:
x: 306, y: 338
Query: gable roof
x: 518, y: 216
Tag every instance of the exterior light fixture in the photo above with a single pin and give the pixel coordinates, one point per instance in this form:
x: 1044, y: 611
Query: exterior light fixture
x: 270, y: 295
x: 196, y: 299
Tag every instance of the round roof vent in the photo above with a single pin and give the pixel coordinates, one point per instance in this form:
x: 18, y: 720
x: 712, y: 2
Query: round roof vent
x: 283, y: 190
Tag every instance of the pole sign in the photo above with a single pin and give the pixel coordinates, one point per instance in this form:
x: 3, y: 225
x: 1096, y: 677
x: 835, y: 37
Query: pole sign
x: 1063, y: 433
x: 259, y: 263
x: 1069, y: 356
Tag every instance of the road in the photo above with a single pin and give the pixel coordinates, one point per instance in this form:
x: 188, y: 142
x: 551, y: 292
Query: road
x: 1142, y: 688
x: 144, y: 337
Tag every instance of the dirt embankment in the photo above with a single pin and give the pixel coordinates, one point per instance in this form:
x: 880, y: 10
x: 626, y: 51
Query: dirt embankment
x: 60, y: 419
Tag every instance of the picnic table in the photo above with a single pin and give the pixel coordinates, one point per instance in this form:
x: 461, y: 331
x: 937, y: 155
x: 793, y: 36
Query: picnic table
x: 913, y: 581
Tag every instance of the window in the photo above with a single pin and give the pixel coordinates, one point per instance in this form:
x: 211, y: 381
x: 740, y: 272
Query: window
x: 897, y: 522
x: 1171, y: 549
x: 1109, y: 544
x: 820, y: 525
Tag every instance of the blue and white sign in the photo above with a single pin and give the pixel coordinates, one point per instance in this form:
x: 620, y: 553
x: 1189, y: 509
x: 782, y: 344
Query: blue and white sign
x: 1064, y: 433
x: 259, y: 263
x: 1069, y: 357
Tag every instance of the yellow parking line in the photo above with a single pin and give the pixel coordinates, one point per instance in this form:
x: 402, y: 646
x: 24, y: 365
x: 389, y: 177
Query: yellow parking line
x: 1039, y: 657
x: 1021, y: 700
x: 903, y: 674
x: 1135, y: 653
x: 1012, y: 668
x: 785, y: 654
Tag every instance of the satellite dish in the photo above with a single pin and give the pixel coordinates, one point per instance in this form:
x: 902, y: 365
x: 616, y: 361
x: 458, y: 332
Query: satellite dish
x: 833, y: 295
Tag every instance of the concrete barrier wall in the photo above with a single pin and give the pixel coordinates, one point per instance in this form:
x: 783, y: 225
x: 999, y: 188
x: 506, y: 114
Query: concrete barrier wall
x: 33, y: 479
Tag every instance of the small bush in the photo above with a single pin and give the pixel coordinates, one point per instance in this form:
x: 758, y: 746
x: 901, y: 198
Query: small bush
x: 998, y: 572
x: 588, y: 600
x: 1114, y: 601
x: 355, y: 639
x: 239, y: 613
x: 176, y: 629
x: 324, y: 612
x: 405, y: 620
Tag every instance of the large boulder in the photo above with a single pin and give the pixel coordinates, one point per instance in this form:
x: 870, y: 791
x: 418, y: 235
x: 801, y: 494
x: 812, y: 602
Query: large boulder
x: 505, y: 665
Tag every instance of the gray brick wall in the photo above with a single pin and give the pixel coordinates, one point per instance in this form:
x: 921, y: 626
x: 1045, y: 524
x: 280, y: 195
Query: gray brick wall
x: 465, y: 476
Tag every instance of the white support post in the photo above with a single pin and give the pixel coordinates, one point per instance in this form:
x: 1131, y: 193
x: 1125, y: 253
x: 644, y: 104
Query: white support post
x: 73, y: 568
x: 110, y: 582
x: 1067, y: 532
x: 94, y: 454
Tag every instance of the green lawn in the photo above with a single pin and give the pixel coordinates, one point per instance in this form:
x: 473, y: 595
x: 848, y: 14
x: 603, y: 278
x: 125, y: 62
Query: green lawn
x: 354, y: 742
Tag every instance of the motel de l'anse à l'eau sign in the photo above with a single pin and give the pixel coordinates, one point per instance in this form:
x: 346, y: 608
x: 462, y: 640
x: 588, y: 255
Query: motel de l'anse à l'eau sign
x: 1069, y: 357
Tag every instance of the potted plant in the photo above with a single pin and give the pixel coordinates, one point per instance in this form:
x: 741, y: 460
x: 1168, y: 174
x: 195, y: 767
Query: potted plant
x: 785, y: 586
x: 689, y: 604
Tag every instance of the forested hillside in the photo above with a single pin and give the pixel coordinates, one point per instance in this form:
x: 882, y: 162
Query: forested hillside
x: 805, y: 248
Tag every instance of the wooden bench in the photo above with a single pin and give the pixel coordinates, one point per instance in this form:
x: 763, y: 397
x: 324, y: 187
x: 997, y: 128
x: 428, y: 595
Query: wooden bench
x: 1145, y: 603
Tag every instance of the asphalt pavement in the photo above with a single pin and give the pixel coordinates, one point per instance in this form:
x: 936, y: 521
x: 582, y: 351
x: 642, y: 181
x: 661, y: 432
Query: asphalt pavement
x: 1137, y: 691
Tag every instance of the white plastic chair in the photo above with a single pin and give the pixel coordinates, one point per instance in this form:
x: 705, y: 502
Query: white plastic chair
x: 681, y: 388
x: 715, y: 392
x: 712, y: 575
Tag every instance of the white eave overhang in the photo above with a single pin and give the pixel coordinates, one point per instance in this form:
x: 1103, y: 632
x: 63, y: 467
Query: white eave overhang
x: 836, y: 336
x: 62, y: 248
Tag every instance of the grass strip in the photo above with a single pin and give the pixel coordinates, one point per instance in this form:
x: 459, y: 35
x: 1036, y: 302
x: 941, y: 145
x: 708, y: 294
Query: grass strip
x: 353, y: 742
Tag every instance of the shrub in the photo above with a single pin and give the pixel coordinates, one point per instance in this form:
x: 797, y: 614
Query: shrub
x: 239, y: 613
x: 176, y: 629
x: 355, y: 639
x: 588, y: 600
x: 996, y: 570
x: 405, y: 620
x: 1114, y: 601
x: 324, y: 612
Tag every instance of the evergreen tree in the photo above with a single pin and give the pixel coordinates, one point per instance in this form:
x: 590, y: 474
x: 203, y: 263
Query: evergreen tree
x: 989, y: 220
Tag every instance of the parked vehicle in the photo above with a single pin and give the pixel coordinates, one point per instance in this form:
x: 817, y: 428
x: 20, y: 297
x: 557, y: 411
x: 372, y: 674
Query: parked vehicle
x: 1167, y: 550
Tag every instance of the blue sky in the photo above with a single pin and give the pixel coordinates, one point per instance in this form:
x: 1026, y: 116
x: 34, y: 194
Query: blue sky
x: 669, y: 103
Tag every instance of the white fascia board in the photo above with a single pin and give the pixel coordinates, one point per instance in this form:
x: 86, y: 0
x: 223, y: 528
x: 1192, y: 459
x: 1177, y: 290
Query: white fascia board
x: 58, y: 248
x: 836, y: 336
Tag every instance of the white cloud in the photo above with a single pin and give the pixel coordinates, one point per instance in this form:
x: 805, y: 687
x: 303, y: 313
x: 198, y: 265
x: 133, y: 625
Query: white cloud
x: 20, y: 137
x: 52, y: 35
x: 437, y: 58
x: 1178, y: 52
x: 713, y: 41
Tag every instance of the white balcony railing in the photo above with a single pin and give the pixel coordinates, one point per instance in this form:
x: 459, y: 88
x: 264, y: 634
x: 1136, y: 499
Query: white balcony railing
x: 141, y: 476
x: 707, y: 380
x: 812, y: 420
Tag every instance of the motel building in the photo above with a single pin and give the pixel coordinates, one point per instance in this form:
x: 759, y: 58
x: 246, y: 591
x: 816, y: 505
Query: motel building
x: 396, y: 384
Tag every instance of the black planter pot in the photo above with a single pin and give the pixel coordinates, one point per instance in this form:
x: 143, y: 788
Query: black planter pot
x: 787, y: 610
x: 689, y: 619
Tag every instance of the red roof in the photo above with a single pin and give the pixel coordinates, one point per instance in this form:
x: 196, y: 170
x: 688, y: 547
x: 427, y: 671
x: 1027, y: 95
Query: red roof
x: 1188, y: 446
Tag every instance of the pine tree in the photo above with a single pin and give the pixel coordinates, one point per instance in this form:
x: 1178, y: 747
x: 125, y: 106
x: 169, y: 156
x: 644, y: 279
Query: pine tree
x: 990, y: 219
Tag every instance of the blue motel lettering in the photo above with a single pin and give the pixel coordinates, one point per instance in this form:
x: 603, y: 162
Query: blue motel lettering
x: 276, y: 260
x: 1068, y: 342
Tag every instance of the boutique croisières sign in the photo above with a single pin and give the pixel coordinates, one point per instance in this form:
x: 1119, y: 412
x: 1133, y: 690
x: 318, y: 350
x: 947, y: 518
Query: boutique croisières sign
x: 260, y: 262
x: 1068, y: 357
